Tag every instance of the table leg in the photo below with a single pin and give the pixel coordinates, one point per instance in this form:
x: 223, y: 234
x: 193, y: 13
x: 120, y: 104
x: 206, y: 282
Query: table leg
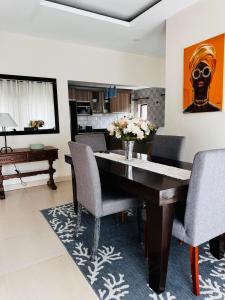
x: 217, y: 246
x: 159, y: 224
x: 74, y: 189
x: 2, y: 192
x: 51, y: 182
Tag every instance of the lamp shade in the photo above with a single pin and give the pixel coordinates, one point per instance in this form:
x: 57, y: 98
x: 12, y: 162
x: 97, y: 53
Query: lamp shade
x: 6, y: 120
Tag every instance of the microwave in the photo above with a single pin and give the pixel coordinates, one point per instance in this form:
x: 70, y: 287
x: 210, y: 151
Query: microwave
x: 84, y: 108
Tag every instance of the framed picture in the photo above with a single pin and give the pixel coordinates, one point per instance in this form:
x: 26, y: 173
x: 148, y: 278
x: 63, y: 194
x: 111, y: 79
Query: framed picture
x: 203, y: 76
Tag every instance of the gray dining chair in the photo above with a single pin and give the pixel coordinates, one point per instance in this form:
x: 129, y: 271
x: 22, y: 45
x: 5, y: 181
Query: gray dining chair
x: 160, y: 131
x: 90, y: 195
x: 95, y: 140
x: 204, y: 215
x: 167, y: 146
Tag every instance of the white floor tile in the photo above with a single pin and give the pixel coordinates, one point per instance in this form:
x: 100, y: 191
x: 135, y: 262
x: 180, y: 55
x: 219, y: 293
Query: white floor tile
x: 34, y: 265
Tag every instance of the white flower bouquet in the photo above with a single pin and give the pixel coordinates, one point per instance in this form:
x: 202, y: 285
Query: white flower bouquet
x: 131, y: 129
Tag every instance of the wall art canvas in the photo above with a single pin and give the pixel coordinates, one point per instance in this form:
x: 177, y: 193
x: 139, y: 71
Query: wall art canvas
x: 203, y: 76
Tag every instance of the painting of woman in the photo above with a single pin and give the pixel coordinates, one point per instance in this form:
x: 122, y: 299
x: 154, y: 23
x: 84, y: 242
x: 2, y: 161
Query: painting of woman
x: 202, y: 67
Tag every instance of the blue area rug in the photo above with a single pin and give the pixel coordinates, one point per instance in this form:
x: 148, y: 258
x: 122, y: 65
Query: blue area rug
x: 120, y: 271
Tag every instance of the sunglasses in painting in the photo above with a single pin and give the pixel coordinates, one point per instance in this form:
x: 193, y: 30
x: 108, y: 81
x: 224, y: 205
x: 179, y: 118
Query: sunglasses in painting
x: 205, y: 72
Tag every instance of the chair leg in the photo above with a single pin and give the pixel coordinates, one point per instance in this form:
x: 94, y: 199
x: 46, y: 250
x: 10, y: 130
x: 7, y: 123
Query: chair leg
x: 96, y: 238
x: 194, y: 269
x: 79, y: 212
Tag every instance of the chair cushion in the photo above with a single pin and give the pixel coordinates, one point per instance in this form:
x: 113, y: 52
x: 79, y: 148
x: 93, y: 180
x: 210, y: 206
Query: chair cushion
x: 117, y: 200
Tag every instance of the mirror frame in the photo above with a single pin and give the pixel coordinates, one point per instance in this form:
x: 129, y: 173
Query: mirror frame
x: 55, y: 101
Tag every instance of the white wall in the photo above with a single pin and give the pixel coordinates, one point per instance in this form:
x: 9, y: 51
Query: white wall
x: 195, y: 24
x: 23, y: 55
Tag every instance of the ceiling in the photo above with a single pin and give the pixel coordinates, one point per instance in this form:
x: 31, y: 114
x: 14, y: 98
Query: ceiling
x: 123, y: 10
x: 144, y: 34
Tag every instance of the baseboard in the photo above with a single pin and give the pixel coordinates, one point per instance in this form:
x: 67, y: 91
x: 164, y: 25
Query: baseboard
x: 16, y: 186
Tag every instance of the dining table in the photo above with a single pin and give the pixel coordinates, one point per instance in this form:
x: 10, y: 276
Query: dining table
x: 160, y: 191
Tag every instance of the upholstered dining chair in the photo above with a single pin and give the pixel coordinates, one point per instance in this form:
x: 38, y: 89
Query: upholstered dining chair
x: 160, y: 131
x: 90, y: 195
x: 167, y: 146
x: 95, y: 140
x: 204, y: 215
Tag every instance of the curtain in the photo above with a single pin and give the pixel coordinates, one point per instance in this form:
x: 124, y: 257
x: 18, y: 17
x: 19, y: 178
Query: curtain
x: 26, y: 101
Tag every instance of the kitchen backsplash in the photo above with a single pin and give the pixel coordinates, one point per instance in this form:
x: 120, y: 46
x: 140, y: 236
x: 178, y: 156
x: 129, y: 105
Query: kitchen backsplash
x: 99, y: 121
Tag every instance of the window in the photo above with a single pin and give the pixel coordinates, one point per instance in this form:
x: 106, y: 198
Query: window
x: 143, y: 111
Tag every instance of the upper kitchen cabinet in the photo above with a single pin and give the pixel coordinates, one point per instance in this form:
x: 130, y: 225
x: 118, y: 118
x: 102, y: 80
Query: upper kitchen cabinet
x: 122, y: 102
x: 97, y: 102
x: 79, y: 95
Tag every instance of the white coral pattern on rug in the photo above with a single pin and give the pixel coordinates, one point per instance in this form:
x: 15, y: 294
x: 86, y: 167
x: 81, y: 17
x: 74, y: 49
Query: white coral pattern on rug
x: 66, y: 210
x: 212, y: 289
x: 167, y: 296
x: 81, y: 254
x: 208, y: 257
x: 209, y: 287
x: 115, y: 286
x: 219, y: 271
x: 65, y: 230
x: 114, y: 289
x: 105, y: 255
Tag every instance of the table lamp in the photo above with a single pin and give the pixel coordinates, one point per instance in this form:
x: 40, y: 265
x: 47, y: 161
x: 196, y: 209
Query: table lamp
x: 6, y: 121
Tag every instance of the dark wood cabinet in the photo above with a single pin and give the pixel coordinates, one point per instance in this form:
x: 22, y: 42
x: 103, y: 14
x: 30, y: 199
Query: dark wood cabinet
x: 80, y: 94
x: 122, y: 102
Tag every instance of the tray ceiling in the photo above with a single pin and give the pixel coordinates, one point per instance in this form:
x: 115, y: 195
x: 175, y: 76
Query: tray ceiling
x: 125, y: 10
x: 145, y: 35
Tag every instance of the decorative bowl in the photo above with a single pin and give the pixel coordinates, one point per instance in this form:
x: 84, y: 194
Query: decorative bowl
x: 36, y: 146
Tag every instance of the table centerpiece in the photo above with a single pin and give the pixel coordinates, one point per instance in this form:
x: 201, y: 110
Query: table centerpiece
x: 129, y: 130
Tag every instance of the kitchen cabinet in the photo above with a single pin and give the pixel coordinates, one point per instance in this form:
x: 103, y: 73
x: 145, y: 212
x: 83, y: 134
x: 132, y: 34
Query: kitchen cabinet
x: 122, y: 102
x: 97, y: 102
x: 99, y: 105
x: 79, y: 95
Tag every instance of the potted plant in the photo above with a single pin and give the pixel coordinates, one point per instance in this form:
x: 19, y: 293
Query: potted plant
x: 129, y: 130
x: 35, y: 124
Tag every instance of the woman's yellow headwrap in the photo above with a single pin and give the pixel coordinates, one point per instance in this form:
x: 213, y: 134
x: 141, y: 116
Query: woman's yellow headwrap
x: 204, y: 53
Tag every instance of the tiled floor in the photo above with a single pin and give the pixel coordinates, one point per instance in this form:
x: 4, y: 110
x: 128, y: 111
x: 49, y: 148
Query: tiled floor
x: 33, y: 263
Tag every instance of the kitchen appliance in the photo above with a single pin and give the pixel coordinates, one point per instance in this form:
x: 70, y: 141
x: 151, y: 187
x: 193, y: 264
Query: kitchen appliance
x: 84, y: 108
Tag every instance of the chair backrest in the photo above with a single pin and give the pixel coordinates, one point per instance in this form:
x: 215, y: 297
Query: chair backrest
x: 87, y: 178
x: 167, y: 146
x: 205, y: 208
x: 95, y: 140
x: 160, y: 131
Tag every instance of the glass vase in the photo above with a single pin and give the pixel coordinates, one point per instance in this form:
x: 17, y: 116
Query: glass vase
x: 128, y: 147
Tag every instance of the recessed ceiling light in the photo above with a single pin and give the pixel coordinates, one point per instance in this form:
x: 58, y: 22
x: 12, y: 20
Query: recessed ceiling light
x: 83, y: 13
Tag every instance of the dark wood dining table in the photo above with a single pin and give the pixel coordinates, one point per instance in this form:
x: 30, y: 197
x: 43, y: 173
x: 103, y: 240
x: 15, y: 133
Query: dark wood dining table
x: 161, y: 194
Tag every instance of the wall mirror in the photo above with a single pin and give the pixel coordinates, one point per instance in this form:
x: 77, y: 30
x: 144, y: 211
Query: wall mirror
x: 32, y: 104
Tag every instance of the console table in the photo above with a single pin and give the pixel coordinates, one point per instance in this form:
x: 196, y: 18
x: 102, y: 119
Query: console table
x: 25, y: 155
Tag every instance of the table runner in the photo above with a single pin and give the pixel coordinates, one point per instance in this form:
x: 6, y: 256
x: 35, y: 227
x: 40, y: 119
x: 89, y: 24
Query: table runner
x: 148, y: 165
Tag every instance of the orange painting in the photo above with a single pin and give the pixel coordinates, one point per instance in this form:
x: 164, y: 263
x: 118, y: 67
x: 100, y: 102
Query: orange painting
x: 203, y: 76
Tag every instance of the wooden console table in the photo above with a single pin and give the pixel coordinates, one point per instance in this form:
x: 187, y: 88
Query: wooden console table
x: 25, y: 155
